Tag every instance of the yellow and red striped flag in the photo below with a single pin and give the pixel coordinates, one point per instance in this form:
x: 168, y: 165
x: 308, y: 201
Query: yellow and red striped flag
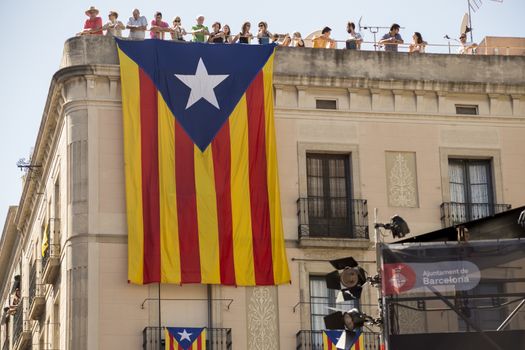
x: 178, y: 338
x: 202, y: 190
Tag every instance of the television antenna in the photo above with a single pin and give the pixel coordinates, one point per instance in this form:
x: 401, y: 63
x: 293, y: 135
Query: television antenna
x: 474, y: 6
x: 373, y: 29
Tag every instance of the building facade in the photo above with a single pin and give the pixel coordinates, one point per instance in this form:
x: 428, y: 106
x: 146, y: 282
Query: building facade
x: 437, y: 139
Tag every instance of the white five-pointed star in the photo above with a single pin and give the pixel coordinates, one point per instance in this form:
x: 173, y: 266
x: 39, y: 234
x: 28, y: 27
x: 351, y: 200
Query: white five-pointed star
x: 184, y: 335
x: 202, y: 85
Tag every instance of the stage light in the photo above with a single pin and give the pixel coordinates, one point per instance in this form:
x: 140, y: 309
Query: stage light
x: 397, y: 226
x: 348, y: 278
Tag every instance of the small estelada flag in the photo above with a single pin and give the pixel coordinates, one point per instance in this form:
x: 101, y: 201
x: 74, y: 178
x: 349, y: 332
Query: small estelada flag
x: 340, y: 339
x: 180, y: 338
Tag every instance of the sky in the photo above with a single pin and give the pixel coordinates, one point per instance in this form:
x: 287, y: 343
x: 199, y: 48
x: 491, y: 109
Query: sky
x: 37, y: 30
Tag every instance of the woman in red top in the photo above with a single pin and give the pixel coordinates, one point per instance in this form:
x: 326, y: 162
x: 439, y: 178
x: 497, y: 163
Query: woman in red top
x: 93, y: 25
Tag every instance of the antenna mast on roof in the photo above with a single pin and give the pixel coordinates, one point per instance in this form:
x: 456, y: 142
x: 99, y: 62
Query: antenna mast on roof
x: 473, y: 6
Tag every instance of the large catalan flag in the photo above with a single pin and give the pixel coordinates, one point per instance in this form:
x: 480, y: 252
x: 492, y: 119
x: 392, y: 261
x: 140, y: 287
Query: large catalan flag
x: 202, y: 189
x: 332, y: 339
x: 185, y: 338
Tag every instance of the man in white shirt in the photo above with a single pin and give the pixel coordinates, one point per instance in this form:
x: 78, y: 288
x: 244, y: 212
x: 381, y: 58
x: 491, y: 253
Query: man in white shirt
x: 466, y: 48
x: 137, y: 26
x: 355, y: 40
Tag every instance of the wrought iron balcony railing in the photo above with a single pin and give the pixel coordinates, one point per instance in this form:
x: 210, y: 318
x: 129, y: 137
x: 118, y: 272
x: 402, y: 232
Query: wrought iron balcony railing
x: 216, y: 338
x: 21, y: 327
x: 453, y: 213
x: 36, y: 292
x: 313, y: 340
x: 338, y: 217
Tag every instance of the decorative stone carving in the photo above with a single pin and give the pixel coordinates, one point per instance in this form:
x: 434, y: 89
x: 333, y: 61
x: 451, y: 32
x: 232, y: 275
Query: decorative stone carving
x: 262, y: 318
x: 401, y: 179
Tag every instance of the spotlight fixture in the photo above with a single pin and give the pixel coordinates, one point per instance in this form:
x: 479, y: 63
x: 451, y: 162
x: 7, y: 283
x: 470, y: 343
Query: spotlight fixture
x: 348, y: 278
x: 397, y: 226
x: 349, y: 320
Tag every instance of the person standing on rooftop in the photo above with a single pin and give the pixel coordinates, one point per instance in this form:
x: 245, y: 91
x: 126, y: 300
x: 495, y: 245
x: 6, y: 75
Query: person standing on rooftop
x: 244, y: 36
x: 418, y: 44
x: 93, y: 25
x: 113, y: 27
x: 216, y: 36
x: 263, y: 35
x: 199, y: 30
x: 177, y: 32
x: 467, y: 47
x: 158, y: 27
x: 137, y: 25
x: 355, y: 40
x: 392, y: 38
x: 324, y: 41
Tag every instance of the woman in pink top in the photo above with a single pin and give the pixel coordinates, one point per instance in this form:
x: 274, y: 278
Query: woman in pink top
x: 158, y: 27
x: 93, y: 25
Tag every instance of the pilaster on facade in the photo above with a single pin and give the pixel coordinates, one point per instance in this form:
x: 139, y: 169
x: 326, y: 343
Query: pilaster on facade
x: 301, y: 96
x: 420, y: 100
x: 442, y: 100
x: 516, y: 104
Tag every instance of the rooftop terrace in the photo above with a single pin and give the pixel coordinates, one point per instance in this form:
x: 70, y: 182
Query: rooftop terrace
x: 308, y: 66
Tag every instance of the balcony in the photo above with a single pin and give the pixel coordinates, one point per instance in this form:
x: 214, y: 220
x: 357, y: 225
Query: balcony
x: 51, y: 257
x: 313, y: 340
x: 332, y: 217
x: 453, y: 213
x: 37, y: 300
x: 21, y: 328
x: 216, y: 338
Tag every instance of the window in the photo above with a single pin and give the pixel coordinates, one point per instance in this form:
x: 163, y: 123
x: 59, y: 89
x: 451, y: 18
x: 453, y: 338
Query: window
x: 467, y: 109
x: 470, y: 189
x: 321, y: 298
x: 326, y: 104
x: 329, y: 198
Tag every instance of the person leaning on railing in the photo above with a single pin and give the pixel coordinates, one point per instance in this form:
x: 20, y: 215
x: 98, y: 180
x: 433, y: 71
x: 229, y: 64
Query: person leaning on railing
x: 263, y: 35
x: 324, y: 41
x: 216, y: 35
x: 355, y: 40
x: 177, y: 31
x: 466, y: 47
x: 137, y: 25
x: 113, y: 27
x: 297, y: 40
x: 244, y: 36
x: 392, y: 38
x: 228, y: 38
x: 418, y: 44
x: 199, y: 30
x: 158, y: 27
x: 93, y: 25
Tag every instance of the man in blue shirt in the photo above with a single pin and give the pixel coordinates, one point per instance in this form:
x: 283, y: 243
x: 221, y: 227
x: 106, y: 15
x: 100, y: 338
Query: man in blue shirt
x: 392, y: 38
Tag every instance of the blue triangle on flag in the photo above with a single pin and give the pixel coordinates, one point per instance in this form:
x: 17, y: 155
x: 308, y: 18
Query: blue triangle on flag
x: 226, y: 72
x: 333, y: 335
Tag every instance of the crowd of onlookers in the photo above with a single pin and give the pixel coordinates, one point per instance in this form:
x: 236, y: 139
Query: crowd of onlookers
x: 159, y: 29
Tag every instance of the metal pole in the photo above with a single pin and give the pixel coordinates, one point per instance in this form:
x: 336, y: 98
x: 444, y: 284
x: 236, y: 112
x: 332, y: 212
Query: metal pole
x: 511, y: 316
x: 383, y: 336
x: 160, y: 323
x: 210, y: 314
x: 470, y: 21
